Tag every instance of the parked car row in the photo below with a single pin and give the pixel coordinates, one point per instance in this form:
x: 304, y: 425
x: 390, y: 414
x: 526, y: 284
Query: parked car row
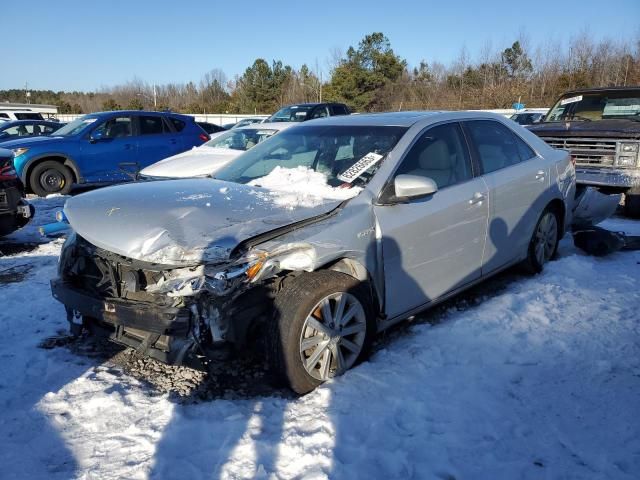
x: 303, y: 236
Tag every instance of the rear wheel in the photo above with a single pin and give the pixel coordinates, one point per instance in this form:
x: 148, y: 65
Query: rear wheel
x: 632, y: 203
x: 323, y: 326
x: 544, y: 242
x: 50, y: 177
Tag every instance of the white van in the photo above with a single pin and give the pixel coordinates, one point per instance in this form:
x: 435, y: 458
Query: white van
x: 9, y: 115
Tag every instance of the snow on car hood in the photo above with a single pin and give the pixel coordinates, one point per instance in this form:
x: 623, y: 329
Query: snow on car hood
x: 182, y: 222
x: 196, y: 162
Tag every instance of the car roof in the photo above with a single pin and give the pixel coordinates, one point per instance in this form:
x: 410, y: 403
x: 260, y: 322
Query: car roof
x: 138, y: 112
x: 400, y: 119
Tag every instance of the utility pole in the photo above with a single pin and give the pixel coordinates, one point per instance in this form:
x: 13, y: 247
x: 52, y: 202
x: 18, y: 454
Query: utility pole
x: 27, y: 93
x: 155, y: 97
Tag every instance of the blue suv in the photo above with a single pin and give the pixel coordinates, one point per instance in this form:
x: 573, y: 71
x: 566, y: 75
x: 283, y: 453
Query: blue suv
x: 102, y: 148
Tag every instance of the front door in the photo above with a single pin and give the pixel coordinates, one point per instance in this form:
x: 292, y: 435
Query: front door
x: 109, y: 145
x: 433, y: 245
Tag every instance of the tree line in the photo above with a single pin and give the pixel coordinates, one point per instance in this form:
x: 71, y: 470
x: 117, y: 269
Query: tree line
x: 371, y: 76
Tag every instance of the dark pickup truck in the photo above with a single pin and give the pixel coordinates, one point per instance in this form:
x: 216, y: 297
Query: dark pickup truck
x: 601, y: 129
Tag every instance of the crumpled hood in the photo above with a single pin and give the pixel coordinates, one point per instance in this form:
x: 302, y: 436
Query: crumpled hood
x: 180, y: 222
x: 196, y: 162
x: 614, y: 127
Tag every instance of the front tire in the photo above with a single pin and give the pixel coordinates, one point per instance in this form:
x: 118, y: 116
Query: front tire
x: 50, y: 177
x: 323, y: 325
x: 544, y: 241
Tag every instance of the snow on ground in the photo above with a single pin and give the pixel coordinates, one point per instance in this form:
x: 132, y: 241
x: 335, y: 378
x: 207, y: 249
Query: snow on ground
x: 524, y: 378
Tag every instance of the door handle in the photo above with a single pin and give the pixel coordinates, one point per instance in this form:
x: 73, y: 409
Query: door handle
x: 540, y: 175
x: 477, y: 198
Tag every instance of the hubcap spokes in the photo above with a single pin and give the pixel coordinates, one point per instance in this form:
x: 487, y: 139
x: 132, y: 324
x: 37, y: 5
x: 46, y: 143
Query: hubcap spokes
x: 546, y: 238
x: 332, y: 336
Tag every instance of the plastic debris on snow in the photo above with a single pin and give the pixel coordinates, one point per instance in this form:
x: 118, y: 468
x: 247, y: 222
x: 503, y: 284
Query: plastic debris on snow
x: 300, y: 187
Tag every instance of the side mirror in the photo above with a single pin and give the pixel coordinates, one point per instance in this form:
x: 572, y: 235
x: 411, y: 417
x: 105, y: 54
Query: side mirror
x: 96, y: 136
x: 408, y: 187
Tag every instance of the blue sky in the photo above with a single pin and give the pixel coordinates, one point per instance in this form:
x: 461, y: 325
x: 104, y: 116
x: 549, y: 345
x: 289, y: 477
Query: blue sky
x: 82, y: 45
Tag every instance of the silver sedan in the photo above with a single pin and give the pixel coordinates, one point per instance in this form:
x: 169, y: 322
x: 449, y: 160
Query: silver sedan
x: 314, y: 240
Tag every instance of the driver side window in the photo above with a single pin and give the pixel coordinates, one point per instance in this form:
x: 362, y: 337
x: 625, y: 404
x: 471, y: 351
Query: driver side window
x: 440, y: 154
x: 115, y: 128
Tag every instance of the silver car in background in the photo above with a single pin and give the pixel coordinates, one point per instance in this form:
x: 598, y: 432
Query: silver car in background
x: 312, y: 241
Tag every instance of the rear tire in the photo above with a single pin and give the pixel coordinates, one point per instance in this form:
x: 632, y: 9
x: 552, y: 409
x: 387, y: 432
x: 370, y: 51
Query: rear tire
x: 632, y: 203
x: 543, y: 246
x: 50, y: 177
x: 330, y: 314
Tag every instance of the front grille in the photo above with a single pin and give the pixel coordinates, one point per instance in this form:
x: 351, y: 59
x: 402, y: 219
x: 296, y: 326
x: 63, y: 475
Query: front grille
x: 587, y: 151
x: 107, y: 275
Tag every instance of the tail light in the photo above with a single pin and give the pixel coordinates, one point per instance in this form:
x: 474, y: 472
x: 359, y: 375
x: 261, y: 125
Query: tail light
x: 204, y: 137
x: 7, y: 171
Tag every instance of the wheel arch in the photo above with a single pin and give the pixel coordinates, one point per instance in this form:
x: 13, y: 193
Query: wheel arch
x: 56, y: 157
x: 357, y: 270
x: 559, y: 207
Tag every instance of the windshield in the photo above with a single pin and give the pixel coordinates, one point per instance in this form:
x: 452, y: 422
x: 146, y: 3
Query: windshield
x: 243, y: 139
x: 330, y: 150
x: 596, y: 106
x: 292, y: 113
x: 75, y: 127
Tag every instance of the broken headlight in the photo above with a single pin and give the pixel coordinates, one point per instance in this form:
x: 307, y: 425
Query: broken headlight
x: 221, y: 280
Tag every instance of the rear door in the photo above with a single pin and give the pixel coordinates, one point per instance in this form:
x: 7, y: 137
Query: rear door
x: 156, y: 140
x: 433, y: 245
x: 518, y: 182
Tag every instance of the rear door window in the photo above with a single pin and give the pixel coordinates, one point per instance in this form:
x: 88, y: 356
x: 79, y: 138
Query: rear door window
x: 339, y: 110
x: 177, y: 124
x: 497, y: 146
x: 151, y: 125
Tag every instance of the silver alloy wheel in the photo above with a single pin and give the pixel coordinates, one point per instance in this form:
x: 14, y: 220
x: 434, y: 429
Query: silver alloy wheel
x: 546, y: 238
x: 333, y: 335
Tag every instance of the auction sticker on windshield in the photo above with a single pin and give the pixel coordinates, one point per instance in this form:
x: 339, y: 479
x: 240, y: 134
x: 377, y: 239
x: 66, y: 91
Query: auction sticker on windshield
x: 571, y: 100
x: 358, y: 168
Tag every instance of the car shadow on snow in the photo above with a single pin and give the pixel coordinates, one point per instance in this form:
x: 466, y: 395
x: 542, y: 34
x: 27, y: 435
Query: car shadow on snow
x: 31, y: 445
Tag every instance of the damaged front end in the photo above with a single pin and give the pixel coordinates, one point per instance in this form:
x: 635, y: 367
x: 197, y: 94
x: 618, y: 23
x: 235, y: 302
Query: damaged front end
x: 172, y: 313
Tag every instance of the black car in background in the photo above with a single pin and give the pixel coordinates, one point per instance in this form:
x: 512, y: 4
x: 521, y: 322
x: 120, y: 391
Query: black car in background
x: 16, y: 129
x: 308, y: 111
x: 210, y: 127
x: 15, y: 212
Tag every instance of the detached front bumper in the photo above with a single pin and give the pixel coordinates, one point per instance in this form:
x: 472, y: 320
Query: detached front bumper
x: 159, y: 332
x: 608, y: 177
